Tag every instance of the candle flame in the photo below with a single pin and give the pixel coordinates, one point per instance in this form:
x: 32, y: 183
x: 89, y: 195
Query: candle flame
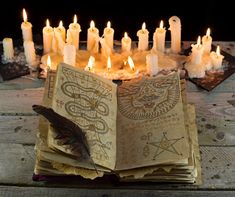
x: 161, y: 24
x: 108, y: 24
x: 208, y: 32
x: 92, y: 24
x: 125, y: 35
x: 198, y: 40
x: 49, y: 62
x: 109, y: 65
x: 144, y: 26
x: 131, y: 63
x: 75, y: 20
x: 61, y: 24
x: 47, y: 23
x: 218, y: 51
x: 91, y: 62
x: 25, y: 16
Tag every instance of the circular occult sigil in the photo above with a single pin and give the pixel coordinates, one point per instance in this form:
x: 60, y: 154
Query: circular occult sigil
x: 148, y: 98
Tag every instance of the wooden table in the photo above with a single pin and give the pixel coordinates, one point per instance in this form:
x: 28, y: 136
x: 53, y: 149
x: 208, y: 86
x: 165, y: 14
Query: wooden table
x: 19, y: 125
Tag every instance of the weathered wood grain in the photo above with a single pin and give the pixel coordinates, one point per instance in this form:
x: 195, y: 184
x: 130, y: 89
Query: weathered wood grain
x: 19, y: 101
x: 215, y: 117
x: 16, y: 163
x: 7, y: 191
x: 218, y: 164
x: 25, y: 82
x: 18, y: 129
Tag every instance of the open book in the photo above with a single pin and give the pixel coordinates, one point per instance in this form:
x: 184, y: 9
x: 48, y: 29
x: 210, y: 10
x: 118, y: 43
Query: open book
x: 139, y: 129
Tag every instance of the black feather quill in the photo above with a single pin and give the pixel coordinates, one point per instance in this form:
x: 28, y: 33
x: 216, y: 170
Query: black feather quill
x: 67, y: 133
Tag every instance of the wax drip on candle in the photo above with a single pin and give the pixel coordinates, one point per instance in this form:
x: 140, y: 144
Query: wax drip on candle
x: 25, y: 18
x: 109, y: 64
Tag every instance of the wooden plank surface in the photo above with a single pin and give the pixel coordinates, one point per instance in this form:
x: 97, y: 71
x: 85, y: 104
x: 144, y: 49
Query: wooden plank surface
x: 215, y: 117
x: 7, y: 191
x: 19, y: 101
x: 16, y: 163
x: 21, y: 83
x: 18, y: 129
x: 218, y: 164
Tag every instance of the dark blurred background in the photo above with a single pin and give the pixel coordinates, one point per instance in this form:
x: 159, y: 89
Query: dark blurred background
x: 128, y: 16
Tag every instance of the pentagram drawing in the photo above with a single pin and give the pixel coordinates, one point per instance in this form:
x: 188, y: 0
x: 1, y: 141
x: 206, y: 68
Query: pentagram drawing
x: 148, y: 98
x: 87, y: 106
x: 164, y: 145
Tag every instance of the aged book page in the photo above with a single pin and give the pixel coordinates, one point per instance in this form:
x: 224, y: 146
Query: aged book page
x: 90, y: 101
x: 46, y: 157
x: 150, y: 123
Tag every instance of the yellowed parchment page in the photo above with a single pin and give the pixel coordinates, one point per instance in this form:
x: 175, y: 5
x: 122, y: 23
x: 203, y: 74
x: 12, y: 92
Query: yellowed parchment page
x: 89, y: 101
x: 150, y: 123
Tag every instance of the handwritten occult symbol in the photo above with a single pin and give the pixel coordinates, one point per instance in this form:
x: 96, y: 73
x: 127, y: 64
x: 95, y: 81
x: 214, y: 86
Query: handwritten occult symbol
x: 148, y: 98
x: 165, y: 144
x: 88, y: 107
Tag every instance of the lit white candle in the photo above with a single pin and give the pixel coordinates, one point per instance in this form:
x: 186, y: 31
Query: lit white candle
x: 197, y: 51
x: 108, y: 35
x: 126, y: 43
x: 207, y: 41
x: 105, y: 49
x: 90, y: 64
x: 58, y: 39
x: 93, y: 38
x: 152, y: 64
x: 175, y: 28
x: 73, y: 33
x: 26, y: 28
x: 216, y: 58
x: 48, y: 34
x: 143, y: 36
x: 8, y: 50
x: 29, y: 52
x: 159, y: 38
x: 61, y: 30
x: 70, y: 54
